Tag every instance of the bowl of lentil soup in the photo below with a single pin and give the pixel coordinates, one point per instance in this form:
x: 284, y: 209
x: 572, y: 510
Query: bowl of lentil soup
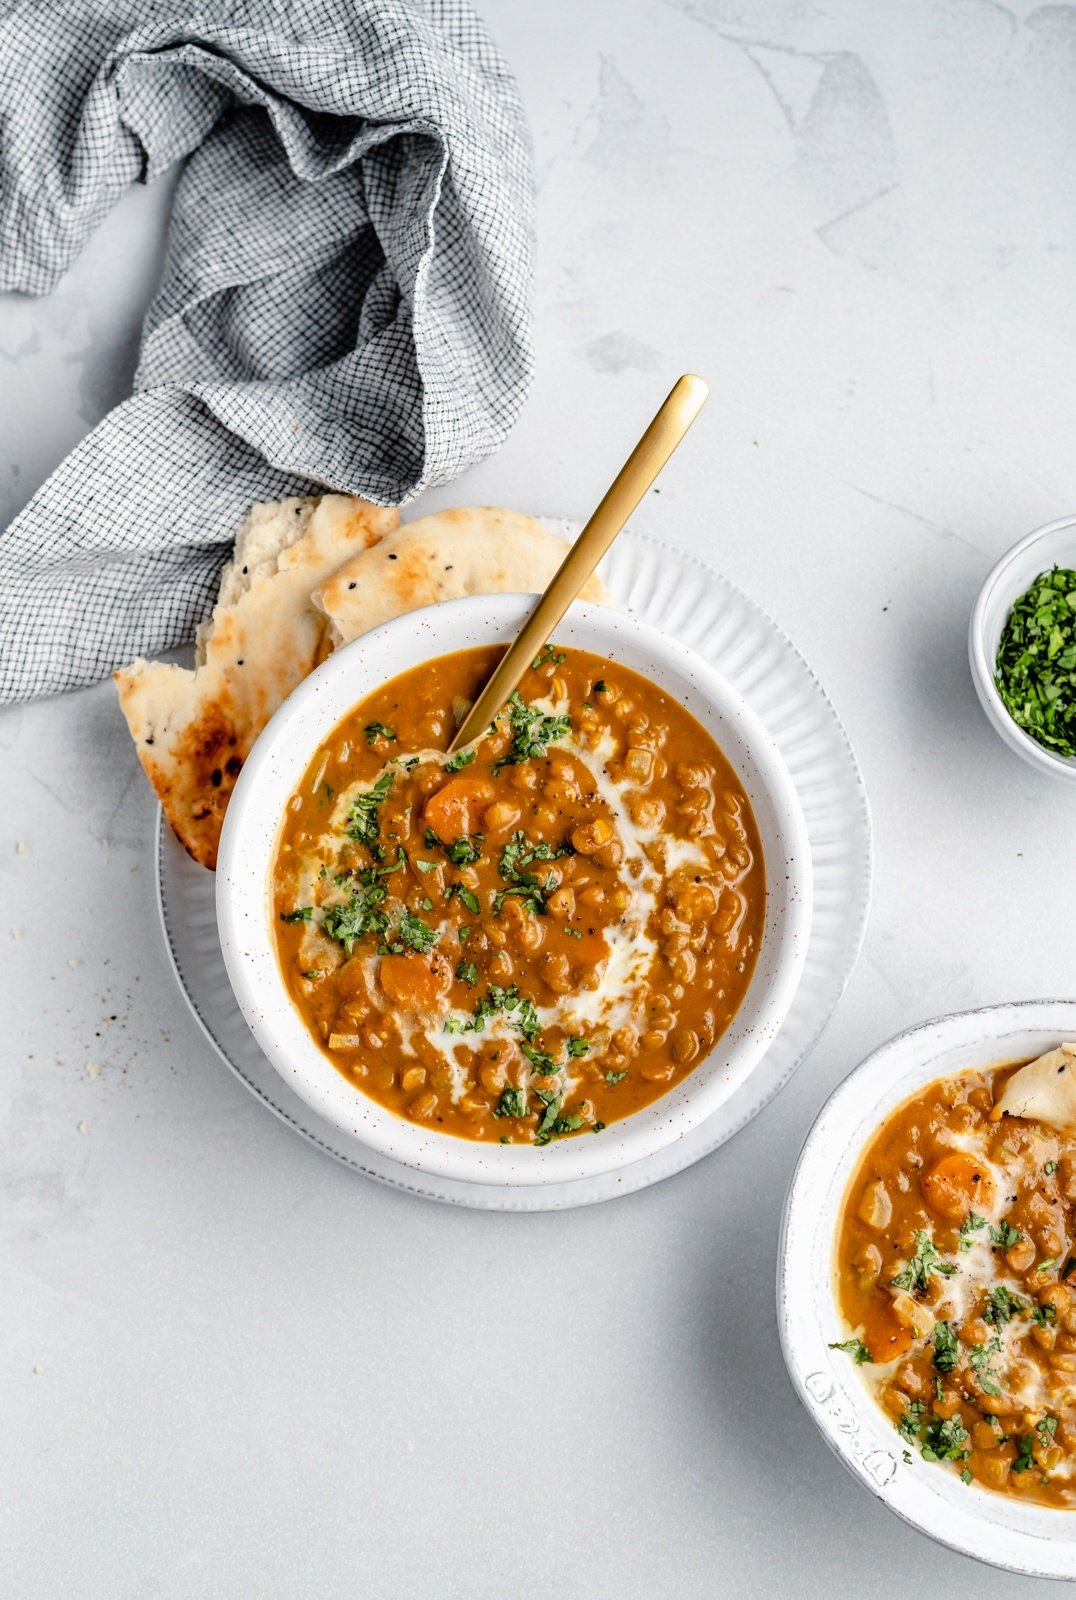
x: 927, y: 1281
x: 546, y: 956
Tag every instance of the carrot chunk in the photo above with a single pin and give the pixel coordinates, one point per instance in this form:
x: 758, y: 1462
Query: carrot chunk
x: 455, y: 808
x: 416, y: 983
x: 956, y: 1184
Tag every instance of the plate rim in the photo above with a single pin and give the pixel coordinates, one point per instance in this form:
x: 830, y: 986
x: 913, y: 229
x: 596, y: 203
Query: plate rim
x: 637, y: 1175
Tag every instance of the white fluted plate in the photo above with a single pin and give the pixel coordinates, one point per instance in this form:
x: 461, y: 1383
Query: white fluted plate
x: 687, y: 599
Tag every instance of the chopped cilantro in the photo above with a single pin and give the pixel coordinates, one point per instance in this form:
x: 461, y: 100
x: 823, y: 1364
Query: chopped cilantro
x: 945, y: 1440
x: 462, y: 758
x: 909, y: 1422
x: 415, y: 933
x: 463, y: 932
x: 377, y: 730
x: 303, y: 914
x: 467, y: 973
x: 358, y: 915
x: 532, y: 732
x: 1025, y: 1458
x: 516, y: 857
x: 466, y: 896
x: 946, y: 1346
x: 315, y: 972
x: 578, y: 1046
x: 856, y: 1349
x: 541, y: 1061
x: 971, y: 1224
x: 1050, y: 1167
x: 926, y: 1260
x: 1044, y: 1314
x: 1005, y: 1235
x: 364, y: 813
x: 548, y: 654
x: 980, y: 1359
x: 1002, y: 1305
x: 601, y: 687
x: 1036, y: 661
x: 599, y: 1127
x: 465, y: 850
x: 614, y: 1077
x: 513, y: 1103
x: 427, y: 866
x: 574, y: 933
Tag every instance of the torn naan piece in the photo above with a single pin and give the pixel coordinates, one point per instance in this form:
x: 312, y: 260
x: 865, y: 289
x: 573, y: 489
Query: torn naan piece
x: 470, y: 550
x: 194, y: 729
x: 1044, y: 1089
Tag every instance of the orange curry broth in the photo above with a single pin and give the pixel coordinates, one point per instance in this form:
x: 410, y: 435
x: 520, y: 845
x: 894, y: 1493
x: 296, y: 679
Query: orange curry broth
x: 972, y: 1351
x: 537, y: 943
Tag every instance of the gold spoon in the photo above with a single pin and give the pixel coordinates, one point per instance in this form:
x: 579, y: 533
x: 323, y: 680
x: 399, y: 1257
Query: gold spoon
x: 685, y: 400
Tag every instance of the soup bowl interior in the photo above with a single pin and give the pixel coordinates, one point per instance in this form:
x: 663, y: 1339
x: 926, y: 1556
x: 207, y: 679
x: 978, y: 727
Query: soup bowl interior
x: 276, y: 766
x: 993, y: 1527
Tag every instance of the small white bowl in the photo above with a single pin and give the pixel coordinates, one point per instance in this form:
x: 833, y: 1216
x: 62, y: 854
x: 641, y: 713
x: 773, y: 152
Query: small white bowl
x: 275, y: 767
x: 1051, y: 546
x: 997, y: 1528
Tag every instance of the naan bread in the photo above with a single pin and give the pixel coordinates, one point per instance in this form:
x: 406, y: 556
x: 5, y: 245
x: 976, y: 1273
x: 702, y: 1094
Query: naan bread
x: 472, y: 550
x: 1045, y: 1089
x: 193, y: 730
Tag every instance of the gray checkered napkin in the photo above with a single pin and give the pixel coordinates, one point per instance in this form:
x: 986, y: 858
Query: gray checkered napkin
x: 345, y: 299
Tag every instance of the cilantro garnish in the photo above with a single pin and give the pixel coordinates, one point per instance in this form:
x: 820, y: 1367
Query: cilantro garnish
x: 462, y: 758
x: 466, y: 896
x: 467, y: 973
x: 357, y: 916
x: 1044, y: 1314
x: 945, y: 1440
x: 1050, y: 1167
x: 1005, y: 1235
x: 926, y: 1260
x: 614, y: 1077
x: 1002, y: 1305
x: 856, y: 1349
x: 377, y: 730
x: 364, y: 813
x: 946, y: 1346
x: 971, y: 1224
x: 548, y: 654
x: 513, y: 1103
x: 980, y: 1359
x: 541, y: 1061
x: 578, y: 1046
x: 414, y: 933
x: 532, y: 732
x: 516, y: 857
x: 303, y: 914
x: 1036, y: 661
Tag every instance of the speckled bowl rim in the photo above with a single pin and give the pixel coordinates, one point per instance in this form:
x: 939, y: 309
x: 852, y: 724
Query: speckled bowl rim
x: 994, y: 1528
x: 982, y: 667
x: 282, y: 754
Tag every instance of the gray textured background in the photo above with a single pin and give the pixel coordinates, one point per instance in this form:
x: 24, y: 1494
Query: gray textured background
x: 232, y: 1368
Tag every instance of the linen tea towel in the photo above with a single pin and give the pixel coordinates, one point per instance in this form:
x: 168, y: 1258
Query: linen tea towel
x: 345, y: 301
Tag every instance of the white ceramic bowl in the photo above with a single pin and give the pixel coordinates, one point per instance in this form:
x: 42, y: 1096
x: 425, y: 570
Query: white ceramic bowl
x: 997, y: 1528
x: 275, y: 767
x: 1051, y: 546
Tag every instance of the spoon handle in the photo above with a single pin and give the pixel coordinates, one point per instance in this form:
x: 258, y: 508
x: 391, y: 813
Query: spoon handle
x: 685, y: 400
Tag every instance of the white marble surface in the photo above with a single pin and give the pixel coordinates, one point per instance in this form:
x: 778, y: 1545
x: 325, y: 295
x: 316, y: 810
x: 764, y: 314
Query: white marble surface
x: 232, y: 1368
